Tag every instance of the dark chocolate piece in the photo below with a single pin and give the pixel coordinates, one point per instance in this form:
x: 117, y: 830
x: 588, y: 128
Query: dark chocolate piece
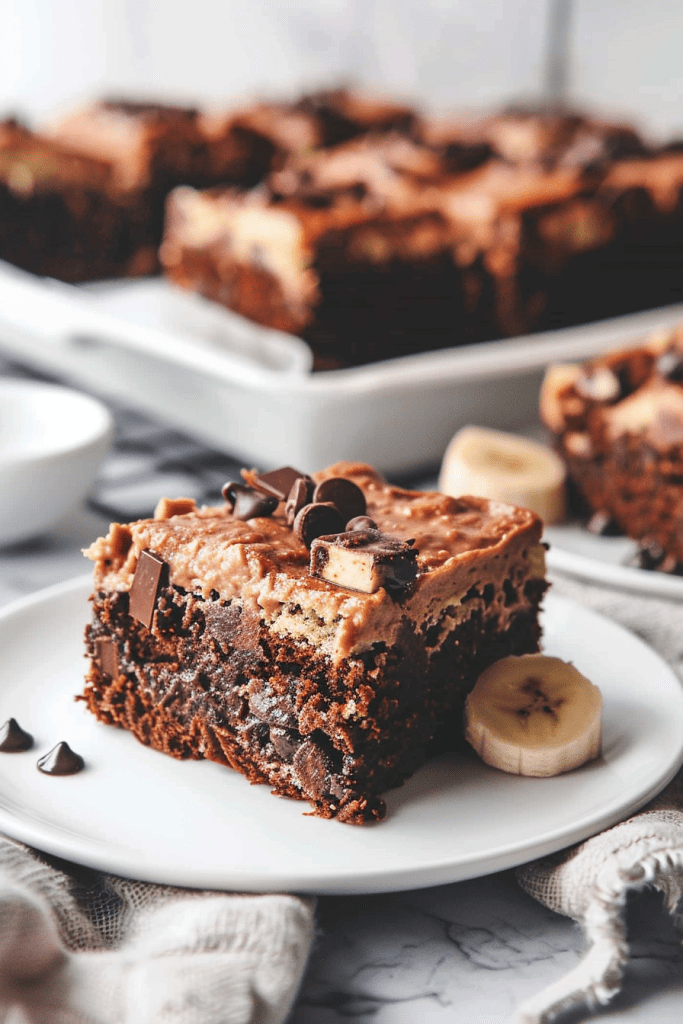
x: 108, y: 657
x: 246, y: 503
x: 146, y: 585
x: 14, y: 739
x: 364, y: 560
x: 300, y: 494
x: 343, y: 493
x: 277, y: 483
x: 61, y: 760
x: 317, y: 519
x: 361, y: 523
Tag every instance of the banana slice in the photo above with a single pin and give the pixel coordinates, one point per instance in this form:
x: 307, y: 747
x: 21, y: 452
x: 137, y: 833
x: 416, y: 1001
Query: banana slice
x: 534, y: 715
x: 505, y: 467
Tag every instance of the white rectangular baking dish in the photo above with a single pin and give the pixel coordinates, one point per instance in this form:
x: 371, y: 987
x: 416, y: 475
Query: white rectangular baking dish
x: 249, y: 391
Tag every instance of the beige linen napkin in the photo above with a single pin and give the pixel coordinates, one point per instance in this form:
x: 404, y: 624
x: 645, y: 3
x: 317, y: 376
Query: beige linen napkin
x: 81, y: 947
x: 591, y: 881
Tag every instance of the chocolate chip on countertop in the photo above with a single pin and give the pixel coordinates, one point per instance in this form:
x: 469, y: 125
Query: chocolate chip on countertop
x: 316, y: 520
x: 61, y: 760
x: 300, y: 494
x: 14, y: 739
x: 343, y: 493
x: 278, y: 483
x: 670, y: 365
x: 246, y: 503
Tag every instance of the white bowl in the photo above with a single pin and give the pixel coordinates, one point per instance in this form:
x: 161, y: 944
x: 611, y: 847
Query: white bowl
x: 52, y: 442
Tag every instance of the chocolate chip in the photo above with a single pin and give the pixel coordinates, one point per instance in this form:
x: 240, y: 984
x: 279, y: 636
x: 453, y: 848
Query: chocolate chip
x: 313, y: 769
x: 316, y: 520
x: 361, y: 523
x: 670, y: 365
x: 300, y: 494
x: 61, y: 760
x: 278, y: 483
x: 247, y: 503
x: 149, y: 574
x: 107, y: 657
x: 599, y: 385
x: 14, y: 739
x: 343, y: 493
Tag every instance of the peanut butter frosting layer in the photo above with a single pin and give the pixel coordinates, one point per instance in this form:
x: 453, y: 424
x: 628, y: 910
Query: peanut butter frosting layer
x: 462, y: 543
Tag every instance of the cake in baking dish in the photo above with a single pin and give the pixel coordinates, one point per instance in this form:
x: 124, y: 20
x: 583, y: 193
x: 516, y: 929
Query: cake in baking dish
x: 617, y: 420
x: 318, y: 635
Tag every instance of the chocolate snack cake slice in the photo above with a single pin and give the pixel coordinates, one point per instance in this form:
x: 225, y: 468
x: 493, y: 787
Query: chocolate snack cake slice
x: 317, y: 635
x: 617, y: 420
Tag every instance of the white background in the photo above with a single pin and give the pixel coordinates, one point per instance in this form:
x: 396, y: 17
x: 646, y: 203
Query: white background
x: 625, y: 56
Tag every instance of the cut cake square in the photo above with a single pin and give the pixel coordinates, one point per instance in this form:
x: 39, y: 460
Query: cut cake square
x: 215, y: 633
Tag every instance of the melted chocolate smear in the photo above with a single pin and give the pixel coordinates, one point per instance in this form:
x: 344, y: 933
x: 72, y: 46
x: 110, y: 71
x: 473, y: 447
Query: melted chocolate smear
x: 61, y: 760
x: 13, y: 739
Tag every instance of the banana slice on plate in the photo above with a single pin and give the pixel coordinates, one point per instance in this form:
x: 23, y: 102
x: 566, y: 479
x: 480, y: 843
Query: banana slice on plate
x: 533, y: 714
x: 505, y: 467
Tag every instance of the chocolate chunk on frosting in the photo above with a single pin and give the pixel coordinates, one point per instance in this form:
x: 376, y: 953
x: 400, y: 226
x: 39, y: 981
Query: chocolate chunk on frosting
x: 278, y: 483
x: 364, y: 560
x: 317, y: 519
x: 343, y: 493
x: 61, y: 760
x: 301, y: 493
x: 14, y: 739
x: 149, y: 577
x: 246, y: 503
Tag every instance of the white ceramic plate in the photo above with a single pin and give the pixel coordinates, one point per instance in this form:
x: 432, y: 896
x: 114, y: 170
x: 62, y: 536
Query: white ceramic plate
x: 576, y: 551
x: 139, y: 813
x: 247, y: 390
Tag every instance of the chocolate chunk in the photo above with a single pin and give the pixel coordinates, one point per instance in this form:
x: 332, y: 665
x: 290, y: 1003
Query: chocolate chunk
x: 233, y: 626
x: 277, y: 483
x: 599, y: 385
x: 361, y: 523
x: 285, y: 741
x: 149, y: 576
x: 247, y: 503
x: 14, y: 739
x: 343, y: 493
x: 108, y: 658
x: 300, y: 494
x: 61, y: 760
x: 313, y: 769
x: 364, y: 560
x: 317, y: 519
x: 670, y: 365
x: 274, y: 708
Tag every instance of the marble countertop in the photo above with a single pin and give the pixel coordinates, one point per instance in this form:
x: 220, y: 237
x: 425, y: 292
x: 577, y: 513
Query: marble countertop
x: 466, y: 953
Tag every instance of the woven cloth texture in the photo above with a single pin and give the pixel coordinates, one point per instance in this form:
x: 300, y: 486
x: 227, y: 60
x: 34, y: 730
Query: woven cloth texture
x: 590, y: 882
x: 81, y: 947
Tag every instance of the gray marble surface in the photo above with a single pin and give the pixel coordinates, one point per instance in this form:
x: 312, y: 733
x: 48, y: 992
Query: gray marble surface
x: 465, y: 953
